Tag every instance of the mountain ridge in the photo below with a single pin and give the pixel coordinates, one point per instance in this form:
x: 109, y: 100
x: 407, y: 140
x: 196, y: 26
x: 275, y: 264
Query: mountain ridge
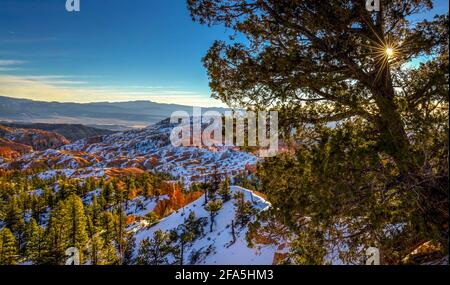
x: 129, y: 114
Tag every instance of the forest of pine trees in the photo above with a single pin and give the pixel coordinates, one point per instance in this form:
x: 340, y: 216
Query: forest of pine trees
x: 41, y: 218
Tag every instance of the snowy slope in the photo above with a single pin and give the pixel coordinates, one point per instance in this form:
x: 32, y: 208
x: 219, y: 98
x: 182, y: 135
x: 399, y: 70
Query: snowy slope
x: 147, y: 149
x: 224, y: 252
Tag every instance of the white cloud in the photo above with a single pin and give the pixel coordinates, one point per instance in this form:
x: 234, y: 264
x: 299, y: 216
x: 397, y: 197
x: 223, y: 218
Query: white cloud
x: 9, y: 62
x: 63, y: 88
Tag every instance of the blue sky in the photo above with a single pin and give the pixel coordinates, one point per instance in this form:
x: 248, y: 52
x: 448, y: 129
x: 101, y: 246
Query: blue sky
x: 113, y: 50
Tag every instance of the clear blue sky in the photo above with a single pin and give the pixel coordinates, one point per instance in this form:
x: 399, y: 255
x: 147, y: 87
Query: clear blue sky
x: 113, y: 50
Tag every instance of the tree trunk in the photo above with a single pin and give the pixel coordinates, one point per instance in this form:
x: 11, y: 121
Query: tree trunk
x: 212, y: 222
x: 232, y: 231
x: 393, y: 138
x: 182, y: 253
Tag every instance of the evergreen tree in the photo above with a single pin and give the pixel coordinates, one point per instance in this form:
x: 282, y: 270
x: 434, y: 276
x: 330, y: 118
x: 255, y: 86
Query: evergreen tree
x: 128, y: 258
x: 213, y: 207
x: 154, y: 251
x: 195, y: 225
x: 216, y: 180
x: 119, y: 225
x: 76, y: 224
x: 56, y: 235
x: 244, y: 209
x: 318, y: 62
x: 148, y: 190
x: 8, y: 248
x: 225, y: 191
x: 14, y: 219
x: 34, y: 242
x: 96, y: 250
x: 108, y: 193
x: 109, y: 254
x: 95, y: 211
x: 67, y: 228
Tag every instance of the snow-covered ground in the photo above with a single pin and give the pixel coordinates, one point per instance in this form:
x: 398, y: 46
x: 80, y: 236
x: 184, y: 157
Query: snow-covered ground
x: 224, y: 251
x: 147, y: 149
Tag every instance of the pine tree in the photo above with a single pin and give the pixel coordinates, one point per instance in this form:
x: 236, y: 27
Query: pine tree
x: 14, y: 219
x: 185, y: 234
x: 67, y: 228
x: 233, y: 231
x: 8, y: 248
x: 95, y: 251
x: 216, y: 180
x: 119, y: 225
x: 108, y: 193
x: 244, y: 209
x: 128, y: 258
x: 108, y: 232
x: 213, y: 207
x: 95, y: 211
x: 56, y: 235
x: 34, y: 242
x: 148, y: 190
x: 49, y: 196
x: 76, y: 220
x: 195, y: 225
x: 154, y: 251
x: 109, y: 254
x: 318, y: 62
x: 225, y: 191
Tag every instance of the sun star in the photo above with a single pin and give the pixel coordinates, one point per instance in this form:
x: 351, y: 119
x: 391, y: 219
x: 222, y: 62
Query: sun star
x: 390, y: 52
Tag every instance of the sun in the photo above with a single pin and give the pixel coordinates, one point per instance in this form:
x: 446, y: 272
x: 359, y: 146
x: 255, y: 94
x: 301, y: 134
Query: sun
x: 390, y: 52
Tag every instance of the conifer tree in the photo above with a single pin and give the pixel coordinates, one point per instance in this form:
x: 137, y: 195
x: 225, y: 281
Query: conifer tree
x: 34, y: 242
x: 95, y: 250
x: 95, y: 211
x: 128, y: 258
x: 8, y: 248
x: 213, y: 207
x: 108, y: 232
x: 317, y: 62
x: 148, y: 190
x: 154, y: 251
x: 225, y: 191
x: 216, y: 180
x: 76, y: 223
x: 244, y: 209
x: 109, y: 254
x: 14, y: 219
x: 67, y: 228
x: 119, y: 226
x: 56, y: 235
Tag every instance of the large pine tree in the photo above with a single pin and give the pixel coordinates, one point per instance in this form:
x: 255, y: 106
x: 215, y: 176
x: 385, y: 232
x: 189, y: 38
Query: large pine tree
x: 379, y: 79
x: 76, y: 224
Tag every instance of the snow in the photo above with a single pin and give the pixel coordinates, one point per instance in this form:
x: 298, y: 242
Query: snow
x: 148, y: 149
x: 224, y: 252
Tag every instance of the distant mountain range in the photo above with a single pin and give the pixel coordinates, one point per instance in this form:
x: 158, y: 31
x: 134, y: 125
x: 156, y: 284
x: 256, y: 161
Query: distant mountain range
x: 112, y: 116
